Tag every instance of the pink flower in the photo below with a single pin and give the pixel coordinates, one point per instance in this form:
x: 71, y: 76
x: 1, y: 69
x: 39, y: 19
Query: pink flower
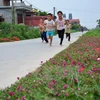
x: 23, y: 98
x: 66, y: 94
x: 41, y: 62
x: 19, y: 88
x: 18, y: 78
x: 52, y: 83
x: 57, y: 94
x: 75, y: 80
x: 79, y: 63
x: 64, y: 64
x: 7, y: 99
x: 81, y: 69
x: 65, y: 86
x: 73, y: 62
x: 89, y: 72
x: 11, y: 93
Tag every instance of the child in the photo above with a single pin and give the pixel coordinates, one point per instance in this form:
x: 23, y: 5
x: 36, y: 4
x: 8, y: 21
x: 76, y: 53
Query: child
x: 49, y: 24
x: 67, y: 29
x: 42, y: 30
x: 60, y: 24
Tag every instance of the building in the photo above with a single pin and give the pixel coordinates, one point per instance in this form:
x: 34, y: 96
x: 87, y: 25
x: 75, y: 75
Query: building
x: 70, y: 16
x: 73, y: 21
x: 19, y: 7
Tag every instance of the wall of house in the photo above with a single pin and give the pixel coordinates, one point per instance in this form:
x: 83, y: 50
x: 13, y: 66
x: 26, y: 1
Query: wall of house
x: 7, y: 15
x: 1, y: 2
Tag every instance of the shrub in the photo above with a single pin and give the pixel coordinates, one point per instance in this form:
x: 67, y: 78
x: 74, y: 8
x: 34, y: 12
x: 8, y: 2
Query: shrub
x: 20, y: 31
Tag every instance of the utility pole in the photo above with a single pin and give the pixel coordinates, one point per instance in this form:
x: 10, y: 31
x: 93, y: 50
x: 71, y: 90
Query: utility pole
x: 54, y: 9
x: 13, y: 13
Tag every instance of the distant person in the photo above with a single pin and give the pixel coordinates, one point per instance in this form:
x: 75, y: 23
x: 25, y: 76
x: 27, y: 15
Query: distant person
x: 42, y: 30
x: 60, y: 24
x: 49, y: 24
x: 82, y: 29
x: 67, y: 29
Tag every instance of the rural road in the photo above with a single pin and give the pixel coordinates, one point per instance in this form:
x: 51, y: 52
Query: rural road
x: 19, y: 58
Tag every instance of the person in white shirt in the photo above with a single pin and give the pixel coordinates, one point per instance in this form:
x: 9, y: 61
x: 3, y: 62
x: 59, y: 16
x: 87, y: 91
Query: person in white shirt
x: 49, y: 24
x: 60, y: 25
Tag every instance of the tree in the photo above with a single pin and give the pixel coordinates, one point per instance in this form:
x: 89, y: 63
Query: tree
x: 98, y: 22
x: 75, y: 26
x: 42, y: 13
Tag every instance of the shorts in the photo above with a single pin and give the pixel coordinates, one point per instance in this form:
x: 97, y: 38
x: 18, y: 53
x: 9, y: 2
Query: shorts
x: 50, y: 33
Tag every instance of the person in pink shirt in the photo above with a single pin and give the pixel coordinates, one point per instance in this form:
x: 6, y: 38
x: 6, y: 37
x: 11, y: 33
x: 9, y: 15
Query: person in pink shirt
x: 60, y: 26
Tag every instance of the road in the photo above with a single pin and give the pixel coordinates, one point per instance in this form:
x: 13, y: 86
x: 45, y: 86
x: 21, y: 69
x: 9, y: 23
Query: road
x: 19, y: 58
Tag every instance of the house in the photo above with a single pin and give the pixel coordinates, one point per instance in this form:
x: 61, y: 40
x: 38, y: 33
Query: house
x: 74, y: 21
x: 19, y: 8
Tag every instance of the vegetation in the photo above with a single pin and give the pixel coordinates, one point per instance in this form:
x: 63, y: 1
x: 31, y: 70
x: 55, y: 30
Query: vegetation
x: 73, y: 74
x: 98, y: 22
x: 21, y: 32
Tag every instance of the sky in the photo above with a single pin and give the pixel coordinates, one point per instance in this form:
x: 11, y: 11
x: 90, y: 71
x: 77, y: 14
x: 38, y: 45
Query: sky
x: 88, y: 11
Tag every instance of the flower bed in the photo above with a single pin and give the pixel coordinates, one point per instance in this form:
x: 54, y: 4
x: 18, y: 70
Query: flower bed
x: 9, y: 39
x: 67, y: 76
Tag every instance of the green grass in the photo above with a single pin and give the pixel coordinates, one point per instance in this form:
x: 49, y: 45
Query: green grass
x: 73, y: 31
x: 67, y: 76
x: 95, y: 32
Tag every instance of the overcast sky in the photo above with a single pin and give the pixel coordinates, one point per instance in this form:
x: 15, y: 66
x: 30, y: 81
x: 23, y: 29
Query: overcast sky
x: 88, y: 11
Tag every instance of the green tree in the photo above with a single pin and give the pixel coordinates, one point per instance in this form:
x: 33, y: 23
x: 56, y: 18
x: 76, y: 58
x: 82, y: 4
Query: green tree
x: 75, y: 26
x: 98, y: 21
x: 42, y: 13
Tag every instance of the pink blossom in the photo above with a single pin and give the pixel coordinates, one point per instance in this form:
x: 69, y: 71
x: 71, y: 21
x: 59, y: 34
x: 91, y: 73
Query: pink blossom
x: 57, y: 94
x: 64, y: 64
x: 89, y: 72
x: 73, y: 62
x: 41, y: 62
x: 23, y: 98
x: 18, y: 78
x: 75, y: 80
x: 65, y: 86
x: 11, y: 93
x: 66, y: 94
x: 7, y: 99
x: 19, y: 88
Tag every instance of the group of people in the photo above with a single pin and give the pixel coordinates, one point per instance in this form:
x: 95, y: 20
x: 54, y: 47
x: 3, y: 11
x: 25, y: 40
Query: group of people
x: 48, y: 26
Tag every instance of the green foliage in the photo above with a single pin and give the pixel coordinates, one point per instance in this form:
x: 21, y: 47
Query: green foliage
x: 75, y: 27
x: 8, y: 30
x: 98, y: 22
x: 42, y: 13
x: 95, y: 32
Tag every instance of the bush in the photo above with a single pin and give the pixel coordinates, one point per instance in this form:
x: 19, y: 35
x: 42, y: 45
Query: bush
x: 20, y: 31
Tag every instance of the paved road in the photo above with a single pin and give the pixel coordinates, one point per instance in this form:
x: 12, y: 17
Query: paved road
x: 19, y: 58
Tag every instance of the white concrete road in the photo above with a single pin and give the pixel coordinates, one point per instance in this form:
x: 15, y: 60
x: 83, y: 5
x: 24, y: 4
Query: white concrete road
x: 19, y: 58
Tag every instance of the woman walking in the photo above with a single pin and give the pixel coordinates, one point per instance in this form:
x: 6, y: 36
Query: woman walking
x: 60, y: 24
x: 67, y: 29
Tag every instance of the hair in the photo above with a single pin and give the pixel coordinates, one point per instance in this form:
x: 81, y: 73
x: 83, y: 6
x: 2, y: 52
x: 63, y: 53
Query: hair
x: 50, y: 14
x: 67, y: 20
x: 60, y: 12
x: 45, y: 18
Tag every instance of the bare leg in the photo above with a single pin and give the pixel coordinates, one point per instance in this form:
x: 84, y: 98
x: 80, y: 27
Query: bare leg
x: 50, y: 41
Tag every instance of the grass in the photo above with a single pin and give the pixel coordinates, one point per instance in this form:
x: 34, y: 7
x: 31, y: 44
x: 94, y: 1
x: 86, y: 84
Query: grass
x: 69, y: 75
x: 73, y: 31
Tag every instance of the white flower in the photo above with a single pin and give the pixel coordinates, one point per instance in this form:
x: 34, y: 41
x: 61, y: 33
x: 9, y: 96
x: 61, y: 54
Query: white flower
x: 98, y: 58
